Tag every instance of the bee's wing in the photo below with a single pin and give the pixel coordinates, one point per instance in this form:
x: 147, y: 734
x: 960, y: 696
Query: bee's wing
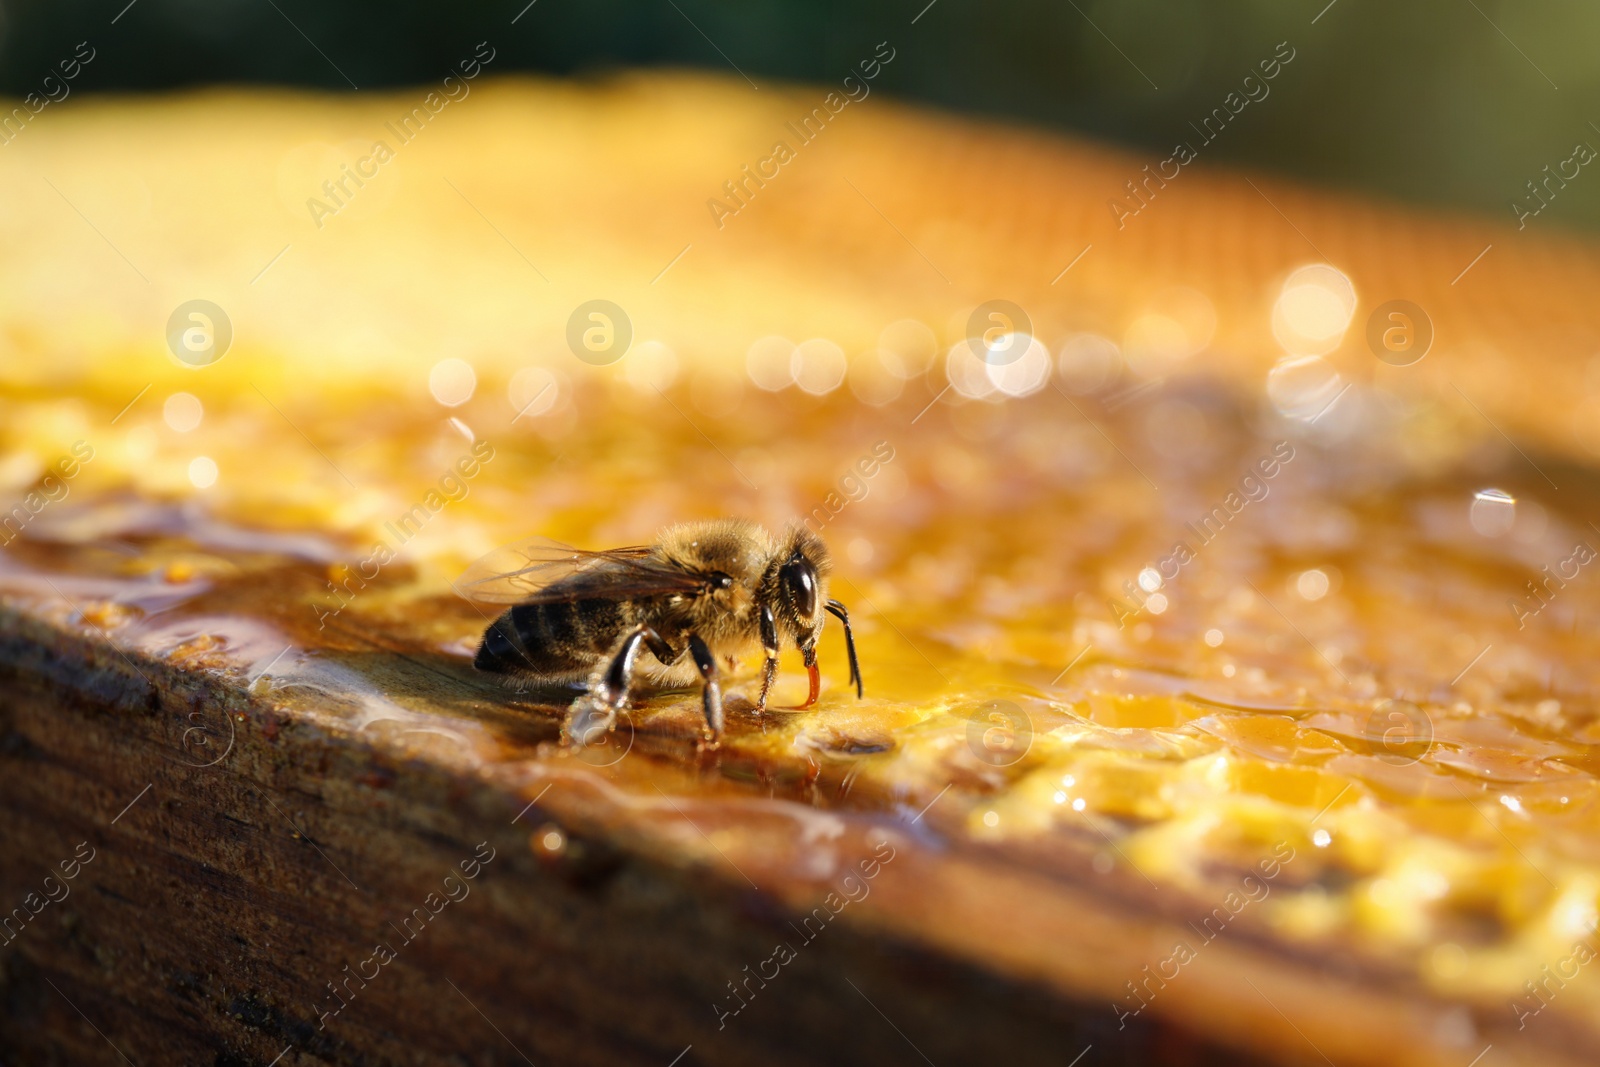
x: 541, y: 571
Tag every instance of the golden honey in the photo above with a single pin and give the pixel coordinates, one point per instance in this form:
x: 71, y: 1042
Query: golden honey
x: 1096, y: 633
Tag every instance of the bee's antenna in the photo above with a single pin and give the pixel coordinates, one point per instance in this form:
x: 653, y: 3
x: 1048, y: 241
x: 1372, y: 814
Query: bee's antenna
x: 837, y: 610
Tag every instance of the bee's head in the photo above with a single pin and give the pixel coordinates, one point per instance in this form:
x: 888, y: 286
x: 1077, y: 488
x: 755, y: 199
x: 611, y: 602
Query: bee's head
x: 803, y: 566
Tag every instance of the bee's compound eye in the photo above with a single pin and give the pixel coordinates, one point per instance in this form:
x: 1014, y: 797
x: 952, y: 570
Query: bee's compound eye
x: 721, y: 581
x: 800, y: 582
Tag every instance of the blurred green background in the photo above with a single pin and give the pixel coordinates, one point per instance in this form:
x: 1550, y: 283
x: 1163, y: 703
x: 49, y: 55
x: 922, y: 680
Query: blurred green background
x: 1449, y: 103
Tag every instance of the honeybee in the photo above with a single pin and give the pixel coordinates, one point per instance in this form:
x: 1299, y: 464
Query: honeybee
x: 706, y: 593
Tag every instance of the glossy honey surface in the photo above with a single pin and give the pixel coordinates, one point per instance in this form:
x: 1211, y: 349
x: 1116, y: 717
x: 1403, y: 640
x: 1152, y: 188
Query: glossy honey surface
x: 1200, y: 602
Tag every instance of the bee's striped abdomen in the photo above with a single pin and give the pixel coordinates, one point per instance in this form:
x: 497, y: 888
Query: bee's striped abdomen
x: 556, y: 639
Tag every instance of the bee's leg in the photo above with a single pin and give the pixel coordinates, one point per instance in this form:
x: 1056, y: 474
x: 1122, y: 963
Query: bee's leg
x: 595, y: 713
x: 837, y: 610
x: 712, y: 694
x: 618, y: 678
x: 769, y: 672
x: 659, y: 647
x: 769, y: 645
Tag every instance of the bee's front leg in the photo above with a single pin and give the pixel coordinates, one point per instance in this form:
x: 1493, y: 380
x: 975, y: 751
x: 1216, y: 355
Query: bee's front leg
x: 769, y: 645
x: 837, y: 610
x: 711, y: 695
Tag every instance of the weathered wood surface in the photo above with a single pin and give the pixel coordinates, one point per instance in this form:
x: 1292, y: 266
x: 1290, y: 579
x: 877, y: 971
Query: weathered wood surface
x: 239, y: 870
